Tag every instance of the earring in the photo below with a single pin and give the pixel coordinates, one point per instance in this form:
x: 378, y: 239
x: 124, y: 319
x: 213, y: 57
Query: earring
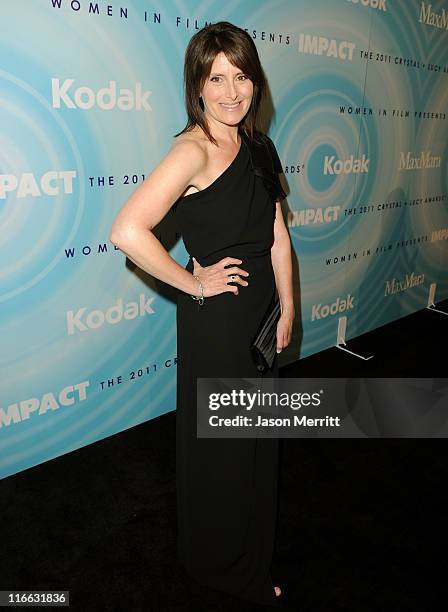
x: 201, y: 102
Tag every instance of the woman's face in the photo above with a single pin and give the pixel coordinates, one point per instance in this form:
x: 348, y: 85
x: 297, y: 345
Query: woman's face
x: 227, y: 92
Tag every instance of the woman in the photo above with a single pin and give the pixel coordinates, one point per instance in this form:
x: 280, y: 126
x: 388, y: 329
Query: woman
x: 228, y: 208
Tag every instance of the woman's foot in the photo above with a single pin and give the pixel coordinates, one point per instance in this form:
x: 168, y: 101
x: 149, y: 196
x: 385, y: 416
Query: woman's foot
x: 278, y: 591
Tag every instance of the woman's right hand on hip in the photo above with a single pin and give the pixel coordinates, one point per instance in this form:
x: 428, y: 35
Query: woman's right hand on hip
x: 215, y: 278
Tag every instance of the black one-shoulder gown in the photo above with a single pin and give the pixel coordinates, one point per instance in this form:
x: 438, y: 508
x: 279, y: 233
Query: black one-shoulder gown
x: 226, y: 488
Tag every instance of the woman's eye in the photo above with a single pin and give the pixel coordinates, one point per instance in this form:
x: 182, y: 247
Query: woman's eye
x: 215, y: 79
x: 242, y: 77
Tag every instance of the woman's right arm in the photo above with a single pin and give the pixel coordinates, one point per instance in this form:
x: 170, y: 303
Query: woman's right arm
x: 132, y: 229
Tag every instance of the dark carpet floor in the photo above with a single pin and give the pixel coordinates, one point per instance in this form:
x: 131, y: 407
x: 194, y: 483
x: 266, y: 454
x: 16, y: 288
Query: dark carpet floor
x: 361, y: 521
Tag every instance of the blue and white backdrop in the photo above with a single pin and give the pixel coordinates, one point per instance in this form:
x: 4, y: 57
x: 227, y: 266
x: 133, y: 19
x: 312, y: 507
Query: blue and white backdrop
x: 90, y: 98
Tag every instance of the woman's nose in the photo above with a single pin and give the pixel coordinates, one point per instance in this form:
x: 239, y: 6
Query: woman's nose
x: 231, y: 91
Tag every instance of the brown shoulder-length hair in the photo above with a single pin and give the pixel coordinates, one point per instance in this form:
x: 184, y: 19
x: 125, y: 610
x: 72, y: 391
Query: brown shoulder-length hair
x: 200, y: 54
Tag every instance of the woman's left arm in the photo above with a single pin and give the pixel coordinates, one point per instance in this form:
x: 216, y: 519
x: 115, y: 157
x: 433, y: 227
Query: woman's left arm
x: 282, y: 264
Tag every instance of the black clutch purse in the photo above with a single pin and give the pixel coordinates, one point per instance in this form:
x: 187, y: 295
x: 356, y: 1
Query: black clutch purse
x: 264, y: 345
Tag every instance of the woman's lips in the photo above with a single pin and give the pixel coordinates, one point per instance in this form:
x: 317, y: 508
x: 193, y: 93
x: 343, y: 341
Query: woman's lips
x: 230, y: 107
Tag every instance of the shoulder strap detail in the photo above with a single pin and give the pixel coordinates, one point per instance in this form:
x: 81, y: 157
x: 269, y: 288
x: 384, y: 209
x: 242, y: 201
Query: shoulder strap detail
x: 264, y: 167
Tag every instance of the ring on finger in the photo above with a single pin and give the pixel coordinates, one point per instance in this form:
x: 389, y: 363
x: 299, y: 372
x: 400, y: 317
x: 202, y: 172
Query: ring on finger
x: 232, y: 277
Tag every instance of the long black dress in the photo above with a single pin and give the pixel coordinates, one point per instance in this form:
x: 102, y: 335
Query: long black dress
x: 227, y: 488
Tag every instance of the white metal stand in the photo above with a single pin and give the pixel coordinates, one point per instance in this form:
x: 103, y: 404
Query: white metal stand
x: 342, y: 326
x: 432, y: 293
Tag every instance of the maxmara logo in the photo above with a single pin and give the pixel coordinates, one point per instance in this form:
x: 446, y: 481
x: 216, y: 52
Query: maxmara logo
x: 27, y: 184
x: 82, y: 321
x: 346, y: 166
x: 411, y: 280
x: 322, y: 311
x: 428, y: 17
x: 329, y: 47
x: 426, y: 160
x: 106, y: 98
x: 375, y: 4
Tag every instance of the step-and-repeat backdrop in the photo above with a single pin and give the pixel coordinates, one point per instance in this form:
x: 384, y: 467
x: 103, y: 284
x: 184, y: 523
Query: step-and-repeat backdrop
x: 90, y: 98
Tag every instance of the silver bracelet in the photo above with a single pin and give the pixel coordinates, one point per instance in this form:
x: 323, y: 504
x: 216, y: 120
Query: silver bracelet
x: 199, y: 298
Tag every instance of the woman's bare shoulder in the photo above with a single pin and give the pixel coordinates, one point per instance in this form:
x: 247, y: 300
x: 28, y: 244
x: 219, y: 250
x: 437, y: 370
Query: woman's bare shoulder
x: 193, y: 142
x: 186, y: 156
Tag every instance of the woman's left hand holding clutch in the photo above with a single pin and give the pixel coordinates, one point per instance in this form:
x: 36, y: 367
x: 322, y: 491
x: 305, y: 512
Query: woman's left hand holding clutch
x: 284, y: 329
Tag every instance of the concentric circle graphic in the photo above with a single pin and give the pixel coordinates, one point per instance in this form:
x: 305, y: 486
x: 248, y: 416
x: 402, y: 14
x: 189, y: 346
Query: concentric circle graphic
x: 35, y: 228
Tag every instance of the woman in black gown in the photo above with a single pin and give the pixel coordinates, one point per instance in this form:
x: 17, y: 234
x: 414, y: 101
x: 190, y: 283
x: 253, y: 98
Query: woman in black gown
x: 222, y: 176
